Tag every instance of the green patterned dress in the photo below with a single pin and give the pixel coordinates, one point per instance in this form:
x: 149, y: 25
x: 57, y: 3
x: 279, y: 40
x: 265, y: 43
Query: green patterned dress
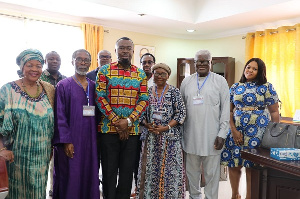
x: 27, y: 126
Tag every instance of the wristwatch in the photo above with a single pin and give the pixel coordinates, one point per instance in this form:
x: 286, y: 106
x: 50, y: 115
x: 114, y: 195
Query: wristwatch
x: 129, y: 122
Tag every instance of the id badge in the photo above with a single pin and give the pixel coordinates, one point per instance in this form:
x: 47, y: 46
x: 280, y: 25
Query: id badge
x: 158, y: 114
x: 197, y: 100
x: 88, y: 110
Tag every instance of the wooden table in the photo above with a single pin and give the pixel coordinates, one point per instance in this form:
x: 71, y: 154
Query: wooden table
x: 271, y: 178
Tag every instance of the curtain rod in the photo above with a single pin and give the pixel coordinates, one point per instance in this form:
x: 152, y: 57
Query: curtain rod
x: 20, y: 17
x: 271, y: 33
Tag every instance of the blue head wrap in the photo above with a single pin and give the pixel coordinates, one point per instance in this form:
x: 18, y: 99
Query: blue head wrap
x: 27, y: 55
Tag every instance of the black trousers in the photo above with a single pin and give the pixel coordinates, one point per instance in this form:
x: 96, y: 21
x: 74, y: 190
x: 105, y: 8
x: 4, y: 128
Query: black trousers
x: 137, y: 160
x: 117, y: 155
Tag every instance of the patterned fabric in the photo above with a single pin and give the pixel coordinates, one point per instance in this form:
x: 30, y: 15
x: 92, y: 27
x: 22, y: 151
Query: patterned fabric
x: 27, y: 55
x: 161, y: 171
x: 121, y: 94
x: 27, y: 128
x: 50, y: 91
x: 251, y: 124
x: 47, y: 77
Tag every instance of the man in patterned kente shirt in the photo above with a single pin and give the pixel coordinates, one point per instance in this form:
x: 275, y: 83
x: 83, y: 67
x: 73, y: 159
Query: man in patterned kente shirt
x: 121, y: 95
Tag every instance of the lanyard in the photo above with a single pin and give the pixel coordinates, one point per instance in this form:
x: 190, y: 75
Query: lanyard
x: 88, y: 90
x: 202, y: 83
x: 162, y: 94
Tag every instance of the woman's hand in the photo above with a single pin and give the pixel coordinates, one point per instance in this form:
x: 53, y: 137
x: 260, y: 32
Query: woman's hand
x: 156, y: 129
x: 237, y: 137
x: 69, y: 150
x: 7, y: 155
x: 150, y: 127
x: 161, y: 128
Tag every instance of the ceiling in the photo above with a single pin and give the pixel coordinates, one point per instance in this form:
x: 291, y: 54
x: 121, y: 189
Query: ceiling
x: 210, y: 18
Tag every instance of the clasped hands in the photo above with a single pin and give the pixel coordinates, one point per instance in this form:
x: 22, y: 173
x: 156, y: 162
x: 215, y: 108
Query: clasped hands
x: 122, y: 129
x: 156, y: 129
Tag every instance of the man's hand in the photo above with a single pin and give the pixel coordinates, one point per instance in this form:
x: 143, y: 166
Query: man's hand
x: 121, y: 126
x: 219, y: 142
x: 69, y: 150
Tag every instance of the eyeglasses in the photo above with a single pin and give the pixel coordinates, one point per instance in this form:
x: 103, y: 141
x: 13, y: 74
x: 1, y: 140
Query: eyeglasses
x: 145, y: 62
x: 122, y: 48
x: 104, y: 56
x: 80, y: 60
x: 202, y: 62
x: 160, y: 74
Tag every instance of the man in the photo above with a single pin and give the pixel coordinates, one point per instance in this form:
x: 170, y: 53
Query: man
x: 147, y: 61
x: 206, y: 96
x: 75, y: 154
x: 52, y: 74
x: 122, y: 97
x: 104, y: 57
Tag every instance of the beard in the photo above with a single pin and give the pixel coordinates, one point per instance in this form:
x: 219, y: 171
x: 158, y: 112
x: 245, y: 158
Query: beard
x: 125, y: 63
x: 81, y: 72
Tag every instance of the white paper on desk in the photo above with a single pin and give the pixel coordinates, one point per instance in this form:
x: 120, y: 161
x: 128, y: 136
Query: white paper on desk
x: 297, y: 116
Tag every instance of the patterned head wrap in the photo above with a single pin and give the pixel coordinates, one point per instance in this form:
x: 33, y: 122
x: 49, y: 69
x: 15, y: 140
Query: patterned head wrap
x: 163, y: 66
x: 27, y: 55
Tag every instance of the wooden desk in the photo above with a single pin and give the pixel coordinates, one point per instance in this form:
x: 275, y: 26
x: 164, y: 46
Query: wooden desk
x: 271, y: 178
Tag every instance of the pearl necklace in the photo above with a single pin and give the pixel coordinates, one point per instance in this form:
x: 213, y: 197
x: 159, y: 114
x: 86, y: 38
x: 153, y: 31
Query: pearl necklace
x: 37, y: 92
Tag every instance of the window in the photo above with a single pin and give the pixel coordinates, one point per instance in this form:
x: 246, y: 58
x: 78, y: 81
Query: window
x: 19, y: 34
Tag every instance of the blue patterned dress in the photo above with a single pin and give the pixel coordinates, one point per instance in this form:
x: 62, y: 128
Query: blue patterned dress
x: 161, y: 171
x: 27, y: 126
x: 251, y: 124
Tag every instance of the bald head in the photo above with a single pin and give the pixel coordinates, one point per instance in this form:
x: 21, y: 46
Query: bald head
x: 104, y: 57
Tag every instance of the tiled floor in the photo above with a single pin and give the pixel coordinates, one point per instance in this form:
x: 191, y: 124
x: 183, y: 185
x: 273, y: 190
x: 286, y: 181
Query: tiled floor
x: 224, y: 188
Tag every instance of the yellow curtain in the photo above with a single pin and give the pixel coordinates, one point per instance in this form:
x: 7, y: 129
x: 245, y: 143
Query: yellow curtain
x: 280, y: 50
x: 93, y: 41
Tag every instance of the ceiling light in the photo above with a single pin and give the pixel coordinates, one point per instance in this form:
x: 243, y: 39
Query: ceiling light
x: 190, y: 30
x: 142, y: 14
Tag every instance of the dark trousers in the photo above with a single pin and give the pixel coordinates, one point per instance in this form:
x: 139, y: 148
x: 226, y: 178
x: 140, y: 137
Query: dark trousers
x: 137, y: 160
x: 117, y: 155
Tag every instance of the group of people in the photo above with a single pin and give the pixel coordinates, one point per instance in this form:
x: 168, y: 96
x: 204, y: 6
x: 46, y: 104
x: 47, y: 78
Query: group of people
x: 132, y: 122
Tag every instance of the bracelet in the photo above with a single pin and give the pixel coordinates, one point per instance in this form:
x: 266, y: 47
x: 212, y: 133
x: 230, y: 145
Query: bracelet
x: 4, y: 148
x: 169, y: 127
x: 129, y: 122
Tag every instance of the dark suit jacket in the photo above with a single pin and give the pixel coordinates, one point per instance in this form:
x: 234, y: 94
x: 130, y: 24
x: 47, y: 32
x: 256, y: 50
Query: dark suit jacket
x: 92, y: 74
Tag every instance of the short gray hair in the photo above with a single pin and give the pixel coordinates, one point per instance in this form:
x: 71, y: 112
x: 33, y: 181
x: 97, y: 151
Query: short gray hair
x: 203, y: 52
x: 103, y: 51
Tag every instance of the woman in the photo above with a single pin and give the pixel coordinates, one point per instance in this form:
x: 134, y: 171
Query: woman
x: 161, y: 172
x: 26, y: 128
x: 253, y: 101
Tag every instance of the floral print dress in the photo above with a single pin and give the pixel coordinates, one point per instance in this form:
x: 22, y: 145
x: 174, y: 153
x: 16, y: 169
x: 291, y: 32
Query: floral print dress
x: 251, y: 123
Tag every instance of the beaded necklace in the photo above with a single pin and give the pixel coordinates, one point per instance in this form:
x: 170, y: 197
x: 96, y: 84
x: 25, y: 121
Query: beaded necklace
x: 37, y: 92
